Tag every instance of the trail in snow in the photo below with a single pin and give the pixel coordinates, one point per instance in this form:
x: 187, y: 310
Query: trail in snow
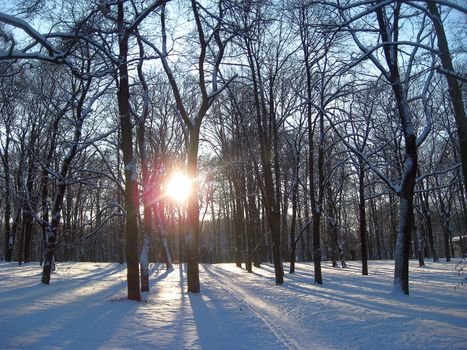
x: 354, y: 311
x: 291, y: 333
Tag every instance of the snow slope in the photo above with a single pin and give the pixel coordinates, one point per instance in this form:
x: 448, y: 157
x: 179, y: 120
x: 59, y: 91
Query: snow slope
x: 85, y: 308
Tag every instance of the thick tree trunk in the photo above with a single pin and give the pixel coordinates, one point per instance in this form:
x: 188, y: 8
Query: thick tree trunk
x: 192, y: 236
x: 120, y: 236
x: 49, y: 250
x: 131, y: 184
x: 389, y: 34
x: 45, y: 210
x: 401, y: 270
x: 147, y: 188
x: 406, y: 210
x: 273, y: 215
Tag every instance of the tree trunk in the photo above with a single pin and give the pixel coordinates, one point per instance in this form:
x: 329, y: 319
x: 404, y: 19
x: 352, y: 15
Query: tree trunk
x: 254, y: 219
x: 293, y: 243
x: 238, y: 213
x: 454, y: 88
x: 131, y: 184
x: 247, y: 238
x: 27, y: 216
x: 308, y: 232
x: 401, y: 270
x: 389, y: 34
x: 447, y: 235
x: 426, y: 212
x: 362, y: 217
x: 269, y: 195
x: 406, y: 210
x: 158, y: 212
x: 144, y: 264
x: 317, y: 246
x: 406, y: 213
x: 51, y: 230
x: 418, y: 246
x: 192, y: 236
x: 7, y: 214
x: 332, y: 227
x: 316, y: 191
x: 147, y: 188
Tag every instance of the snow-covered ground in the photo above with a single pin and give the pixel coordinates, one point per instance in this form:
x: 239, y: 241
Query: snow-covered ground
x: 84, y: 307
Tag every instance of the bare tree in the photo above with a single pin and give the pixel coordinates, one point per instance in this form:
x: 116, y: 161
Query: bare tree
x: 211, y: 52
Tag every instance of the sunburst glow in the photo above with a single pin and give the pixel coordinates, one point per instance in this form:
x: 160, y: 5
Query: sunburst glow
x: 178, y: 187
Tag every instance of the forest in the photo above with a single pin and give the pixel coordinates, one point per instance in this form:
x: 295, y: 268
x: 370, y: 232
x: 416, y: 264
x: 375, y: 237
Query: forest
x: 249, y: 131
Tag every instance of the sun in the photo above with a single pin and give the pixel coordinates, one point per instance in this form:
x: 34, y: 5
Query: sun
x: 178, y: 187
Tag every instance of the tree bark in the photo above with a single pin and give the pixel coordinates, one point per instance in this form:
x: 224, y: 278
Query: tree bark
x: 192, y: 236
x: 254, y: 221
x: 269, y: 195
x: 362, y: 218
x: 27, y: 216
x: 147, y: 188
x: 293, y: 243
x: 418, y: 246
x: 131, y: 184
x: 389, y: 34
x: 7, y: 214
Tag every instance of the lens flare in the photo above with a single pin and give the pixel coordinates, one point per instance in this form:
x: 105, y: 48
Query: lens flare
x: 178, y: 187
